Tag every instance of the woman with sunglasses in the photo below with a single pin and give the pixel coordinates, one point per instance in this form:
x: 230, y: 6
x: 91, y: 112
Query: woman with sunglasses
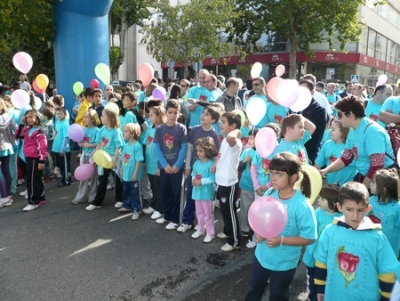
x: 368, y: 143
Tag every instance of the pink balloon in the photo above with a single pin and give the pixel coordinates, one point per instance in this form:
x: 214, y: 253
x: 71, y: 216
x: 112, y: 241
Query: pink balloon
x: 267, y: 216
x: 159, y: 93
x: 287, y: 93
x: 146, y: 73
x: 272, y: 86
x: 280, y: 70
x: 84, y: 172
x: 22, y: 62
x: 303, y: 99
x: 266, y: 142
x: 94, y: 83
x: 379, y: 83
x: 36, y: 88
x: 20, y: 98
x: 76, y: 132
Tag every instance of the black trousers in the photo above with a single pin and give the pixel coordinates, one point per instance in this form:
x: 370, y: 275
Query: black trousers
x: 102, y: 187
x: 155, y: 185
x: 34, y: 182
x: 227, y: 196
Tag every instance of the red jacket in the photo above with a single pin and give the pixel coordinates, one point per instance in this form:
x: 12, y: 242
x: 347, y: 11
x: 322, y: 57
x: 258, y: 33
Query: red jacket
x: 35, y: 145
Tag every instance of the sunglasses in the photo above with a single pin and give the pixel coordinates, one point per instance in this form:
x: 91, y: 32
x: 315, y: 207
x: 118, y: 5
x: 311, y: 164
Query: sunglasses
x: 339, y: 115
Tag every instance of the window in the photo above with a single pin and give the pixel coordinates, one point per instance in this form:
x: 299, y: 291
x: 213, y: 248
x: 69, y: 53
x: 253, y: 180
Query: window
x: 371, y: 42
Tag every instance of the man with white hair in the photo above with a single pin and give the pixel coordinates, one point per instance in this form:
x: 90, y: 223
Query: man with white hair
x: 318, y: 97
x: 197, y: 93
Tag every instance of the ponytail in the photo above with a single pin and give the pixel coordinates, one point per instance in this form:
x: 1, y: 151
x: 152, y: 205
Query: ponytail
x: 305, y: 185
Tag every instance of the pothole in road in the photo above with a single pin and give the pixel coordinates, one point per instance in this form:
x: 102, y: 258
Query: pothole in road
x: 217, y: 259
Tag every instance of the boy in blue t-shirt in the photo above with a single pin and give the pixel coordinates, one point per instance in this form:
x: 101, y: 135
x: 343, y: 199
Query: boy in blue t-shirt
x: 170, y: 143
x: 353, y: 258
x: 61, y: 147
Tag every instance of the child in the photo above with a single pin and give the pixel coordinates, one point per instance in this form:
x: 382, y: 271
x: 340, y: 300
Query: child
x: 331, y: 150
x: 203, y: 192
x: 245, y: 131
x: 87, y: 189
x: 205, y: 129
x: 226, y: 177
x: 85, y: 105
x: 61, y: 147
x: 97, y: 96
x: 327, y: 211
x: 48, y: 127
x: 157, y: 118
x: 35, y: 151
x: 353, y: 258
x: 110, y: 140
x: 129, y: 101
x: 385, y: 205
x: 296, y: 131
x: 131, y: 158
x: 277, y: 258
x: 170, y: 142
x: 247, y: 188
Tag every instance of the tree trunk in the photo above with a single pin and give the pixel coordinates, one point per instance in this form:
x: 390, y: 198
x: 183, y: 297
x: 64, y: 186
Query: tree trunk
x: 186, y: 69
x: 293, y: 57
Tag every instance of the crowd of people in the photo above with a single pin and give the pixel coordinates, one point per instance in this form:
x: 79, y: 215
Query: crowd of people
x: 194, y: 144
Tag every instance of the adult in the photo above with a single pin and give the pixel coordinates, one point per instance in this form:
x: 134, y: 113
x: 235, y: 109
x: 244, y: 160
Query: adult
x: 318, y: 116
x: 185, y: 85
x: 23, y: 83
x: 347, y: 90
x: 319, y: 97
x: 396, y: 89
x: 53, y: 93
x: 368, y: 144
x: 330, y: 93
x: 320, y: 87
x: 108, y: 94
x: 357, y: 91
x: 198, y: 93
x: 246, y: 93
x: 229, y: 98
x: 213, y: 91
x: 374, y: 105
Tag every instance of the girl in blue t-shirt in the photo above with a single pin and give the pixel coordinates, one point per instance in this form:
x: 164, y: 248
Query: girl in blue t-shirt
x: 110, y: 140
x: 87, y: 189
x: 386, y: 206
x: 203, y: 181
x: 276, y: 258
x: 332, y: 150
x: 327, y: 211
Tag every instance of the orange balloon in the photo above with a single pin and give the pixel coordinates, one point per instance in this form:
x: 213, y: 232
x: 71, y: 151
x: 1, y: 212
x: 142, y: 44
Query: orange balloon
x: 146, y: 73
x: 42, y: 81
x: 272, y: 85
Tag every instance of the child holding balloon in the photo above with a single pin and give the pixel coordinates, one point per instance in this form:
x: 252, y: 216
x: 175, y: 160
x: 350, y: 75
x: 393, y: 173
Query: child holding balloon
x: 327, y: 211
x: 110, y: 140
x: 277, y: 257
x: 87, y: 189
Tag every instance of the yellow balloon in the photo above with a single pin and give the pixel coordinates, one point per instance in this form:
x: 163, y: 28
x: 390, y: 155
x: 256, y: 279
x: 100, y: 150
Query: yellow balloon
x: 102, y: 158
x: 256, y: 70
x: 42, y: 81
x: 315, y: 179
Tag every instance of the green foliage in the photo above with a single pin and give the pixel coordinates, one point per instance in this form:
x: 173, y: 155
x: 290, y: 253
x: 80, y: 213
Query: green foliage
x: 189, y: 32
x: 129, y: 11
x: 115, y: 59
x: 300, y: 21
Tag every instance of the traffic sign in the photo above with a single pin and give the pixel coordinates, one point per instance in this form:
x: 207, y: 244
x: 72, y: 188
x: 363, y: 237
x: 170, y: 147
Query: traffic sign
x: 355, y: 78
x: 171, y: 64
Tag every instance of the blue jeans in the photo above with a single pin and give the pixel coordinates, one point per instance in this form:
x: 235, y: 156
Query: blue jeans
x: 171, y: 191
x: 189, y: 210
x: 131, y: 196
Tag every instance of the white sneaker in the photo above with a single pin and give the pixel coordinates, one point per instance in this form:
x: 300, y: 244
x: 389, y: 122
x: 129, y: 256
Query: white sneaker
x: 161, y: 221
x: 118, y: 205
x: 222, y: 235
x: 183, y: 228
x: 171, y: 226
x: 20, y: 181
x: 156, y: 215
x: 109, y: 187
x: 198, y: 234
x: 148, y: 210
x: 123, y: 210
x: 24, y: 193
x: 251, y: 244
x: 228, y: 248
x: 208, y: 239
x: 92, y: 207
x: 30, y: 207
x: 4, y: 202
x: 56, y: 170
x: 79, y: 155
x: 196, y: 227
x: 135, y: 216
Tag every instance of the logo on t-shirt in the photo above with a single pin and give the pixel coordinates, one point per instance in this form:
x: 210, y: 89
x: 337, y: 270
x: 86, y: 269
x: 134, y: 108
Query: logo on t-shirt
x: 85, y: 139
x: 355, y: 151
x: 301, y: 155
x: 169, y: 141
x: 149, y: 141
x: 347, y: 264
x: 245, y: 140
x: 197, y: 177
x: 332, y: 159
x: 126, y: 159
x: 278, y: 119
x: 265, y: 165
x: 203, y: 98
x: 104, y: 142
x: 374, y: 117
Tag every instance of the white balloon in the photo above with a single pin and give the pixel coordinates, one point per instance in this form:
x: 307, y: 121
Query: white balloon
x: 287, y: 93
x: 256, y: 109
x: 20, y: 98
x: 256, y: 70
x: 303, y: 99
x: 383, y: 79
x: 38, y: 103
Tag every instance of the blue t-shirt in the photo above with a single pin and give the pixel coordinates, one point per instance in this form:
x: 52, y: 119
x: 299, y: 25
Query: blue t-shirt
x: 245, y: 134
x: 246, y: 183
x: 328, y: 154
x: 354, y: 259
x: 151, y: 155
x: 61, y: 128
x: 262, y: 165
x: 91, y: 138
x: 198, y: 132
x: 372, y: 112
x: 391, y: 103
x: 213, y: 95
x: 323, y: 219
x: 200, y: 94
x: 275, y: 113
x: 326, y: 137
x: 389, y: 215
x: 295, y: 147
x: 110, y: 139
x: 359, y: 142
x: 301, y: 222
x: 172, y: 142
x: 130, y: 155
x: 129, y: 117
x: 202, y: 171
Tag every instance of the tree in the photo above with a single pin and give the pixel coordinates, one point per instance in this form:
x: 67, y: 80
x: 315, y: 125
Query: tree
x: 302, y: 22
x: 123, y: 15
x: 189, y: 32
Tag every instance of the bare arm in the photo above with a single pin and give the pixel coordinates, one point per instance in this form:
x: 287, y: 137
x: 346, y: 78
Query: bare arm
x: 232, y: 136
x: 309, y: 126
x: 389, y: 118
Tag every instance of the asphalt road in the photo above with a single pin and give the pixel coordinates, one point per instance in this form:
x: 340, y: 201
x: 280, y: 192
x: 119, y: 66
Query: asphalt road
x: 63, y: 252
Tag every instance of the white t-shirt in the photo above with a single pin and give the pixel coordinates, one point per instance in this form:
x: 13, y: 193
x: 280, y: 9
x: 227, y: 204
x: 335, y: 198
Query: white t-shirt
x: 323, y: 101
x: 228, y: 163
